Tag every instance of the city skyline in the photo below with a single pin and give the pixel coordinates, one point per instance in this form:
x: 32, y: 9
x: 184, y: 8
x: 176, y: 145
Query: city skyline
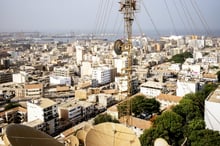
x: 90, y: 16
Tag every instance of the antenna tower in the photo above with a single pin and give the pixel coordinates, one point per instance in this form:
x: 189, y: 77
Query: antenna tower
x: 127, y: 7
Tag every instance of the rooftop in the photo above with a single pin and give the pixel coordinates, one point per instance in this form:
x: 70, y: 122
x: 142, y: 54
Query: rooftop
x: 151, y: 84
x: 43, y: 102
x: 214, y: 96
x: 33, y: 86
x: 69, y: 105
x: 136, y: 122
x: 168, y: 97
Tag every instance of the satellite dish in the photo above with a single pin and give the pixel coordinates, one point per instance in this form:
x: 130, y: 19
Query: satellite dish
x: 160, y: 142
x: 81, y: 135
x: 72, y: 141
x: 111, y: 134
x: 21, y: 135
x: 118, y: 47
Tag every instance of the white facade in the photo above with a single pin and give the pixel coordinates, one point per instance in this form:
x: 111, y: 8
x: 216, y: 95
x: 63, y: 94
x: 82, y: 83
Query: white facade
x: 152, y: 89
x: 70, y: 111
x: 45, y: 110
x: 211, y: 59
x: 174, y: 67
x: 63, y: 71
x: 192, y: 67
x: 105, y: 100
x: 59, y: 80
x: 121, y: 83
x: 120, y: 64
x: 102, y: 75
x: 212, y: 111
x: 79, y: 54
x: 196, y: 43
x: 185, y: 87
x: 86, y: 68
x: 19, y: 78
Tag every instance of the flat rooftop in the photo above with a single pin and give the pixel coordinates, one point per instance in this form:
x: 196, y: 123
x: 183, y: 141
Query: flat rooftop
x: 151, y: 84
x: 214, y: 96
x: 69, y: 105
x: 43, y: 102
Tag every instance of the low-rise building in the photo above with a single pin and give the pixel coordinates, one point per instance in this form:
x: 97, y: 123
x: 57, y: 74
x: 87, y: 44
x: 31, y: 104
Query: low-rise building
x: 102, y: 75
x: 186, y: 86
x: 5, y: 77
x: 212, y: 110
x: 151, y: 88
x: 88, y: 109
x: 167, y: 100
x: 33, y: 90
x: 105, y: 100
x: 71, y: 111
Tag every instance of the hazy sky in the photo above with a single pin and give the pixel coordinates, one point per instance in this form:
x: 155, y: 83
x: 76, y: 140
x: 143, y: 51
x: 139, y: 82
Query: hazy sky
x: 102, y: 15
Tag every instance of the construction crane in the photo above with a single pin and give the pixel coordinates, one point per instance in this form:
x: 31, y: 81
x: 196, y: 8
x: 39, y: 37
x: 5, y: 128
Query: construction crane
x: 128, y: 8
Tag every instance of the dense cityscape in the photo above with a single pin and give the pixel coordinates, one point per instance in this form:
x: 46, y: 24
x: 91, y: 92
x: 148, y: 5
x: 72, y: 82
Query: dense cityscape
x: 108, y: 87
x: 54, y: 85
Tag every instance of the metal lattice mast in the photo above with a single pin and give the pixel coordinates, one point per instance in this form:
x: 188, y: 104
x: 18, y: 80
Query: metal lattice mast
x: 127, y: 8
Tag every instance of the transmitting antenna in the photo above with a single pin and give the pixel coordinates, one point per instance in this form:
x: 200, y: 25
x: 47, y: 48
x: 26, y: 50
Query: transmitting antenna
x: 127, y: 7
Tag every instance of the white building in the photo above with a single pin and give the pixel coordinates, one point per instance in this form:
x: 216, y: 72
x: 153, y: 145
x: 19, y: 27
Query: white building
x: 79, y: 54
x: 20, y: 77
x: 63, y: 71
x: 212, y: 58
x: 184, y: 87
x: 105, y: 100
x: 194, y: 43
x: 33, y: 90
x: 86, y: 68
x: 102, y: 75
x: 45, y: 110
x: 212, y: 110
x: 70, y: 111
x: 121, y: 64
x: 122, y: 84
x: 167, y: 100
x: 59, y: 80
x: 151, y: 88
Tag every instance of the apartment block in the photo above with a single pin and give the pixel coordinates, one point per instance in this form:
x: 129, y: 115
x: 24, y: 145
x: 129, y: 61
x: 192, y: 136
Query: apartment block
x: 71, y: 111
x: 102, y: 75
x: 45, y: 110
x: 33, y: 90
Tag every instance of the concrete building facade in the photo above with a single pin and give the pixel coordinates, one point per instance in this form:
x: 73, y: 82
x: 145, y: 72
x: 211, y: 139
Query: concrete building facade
x: 45, y: 110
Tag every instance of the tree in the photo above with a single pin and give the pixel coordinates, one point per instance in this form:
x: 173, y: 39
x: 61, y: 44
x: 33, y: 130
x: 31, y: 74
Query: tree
x: 168, y: 126
x: 104, y: 118
x: 139, y: 104
x: 11, y: 105
x: 188, y: 109
x: 180, y: 58
x: 148, y: 137
x: 204, y: 137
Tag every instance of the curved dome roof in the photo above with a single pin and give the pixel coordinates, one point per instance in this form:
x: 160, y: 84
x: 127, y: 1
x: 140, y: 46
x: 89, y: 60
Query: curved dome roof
x: 111, y: 134
x: 160, y: 142
x: 21, y: 135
